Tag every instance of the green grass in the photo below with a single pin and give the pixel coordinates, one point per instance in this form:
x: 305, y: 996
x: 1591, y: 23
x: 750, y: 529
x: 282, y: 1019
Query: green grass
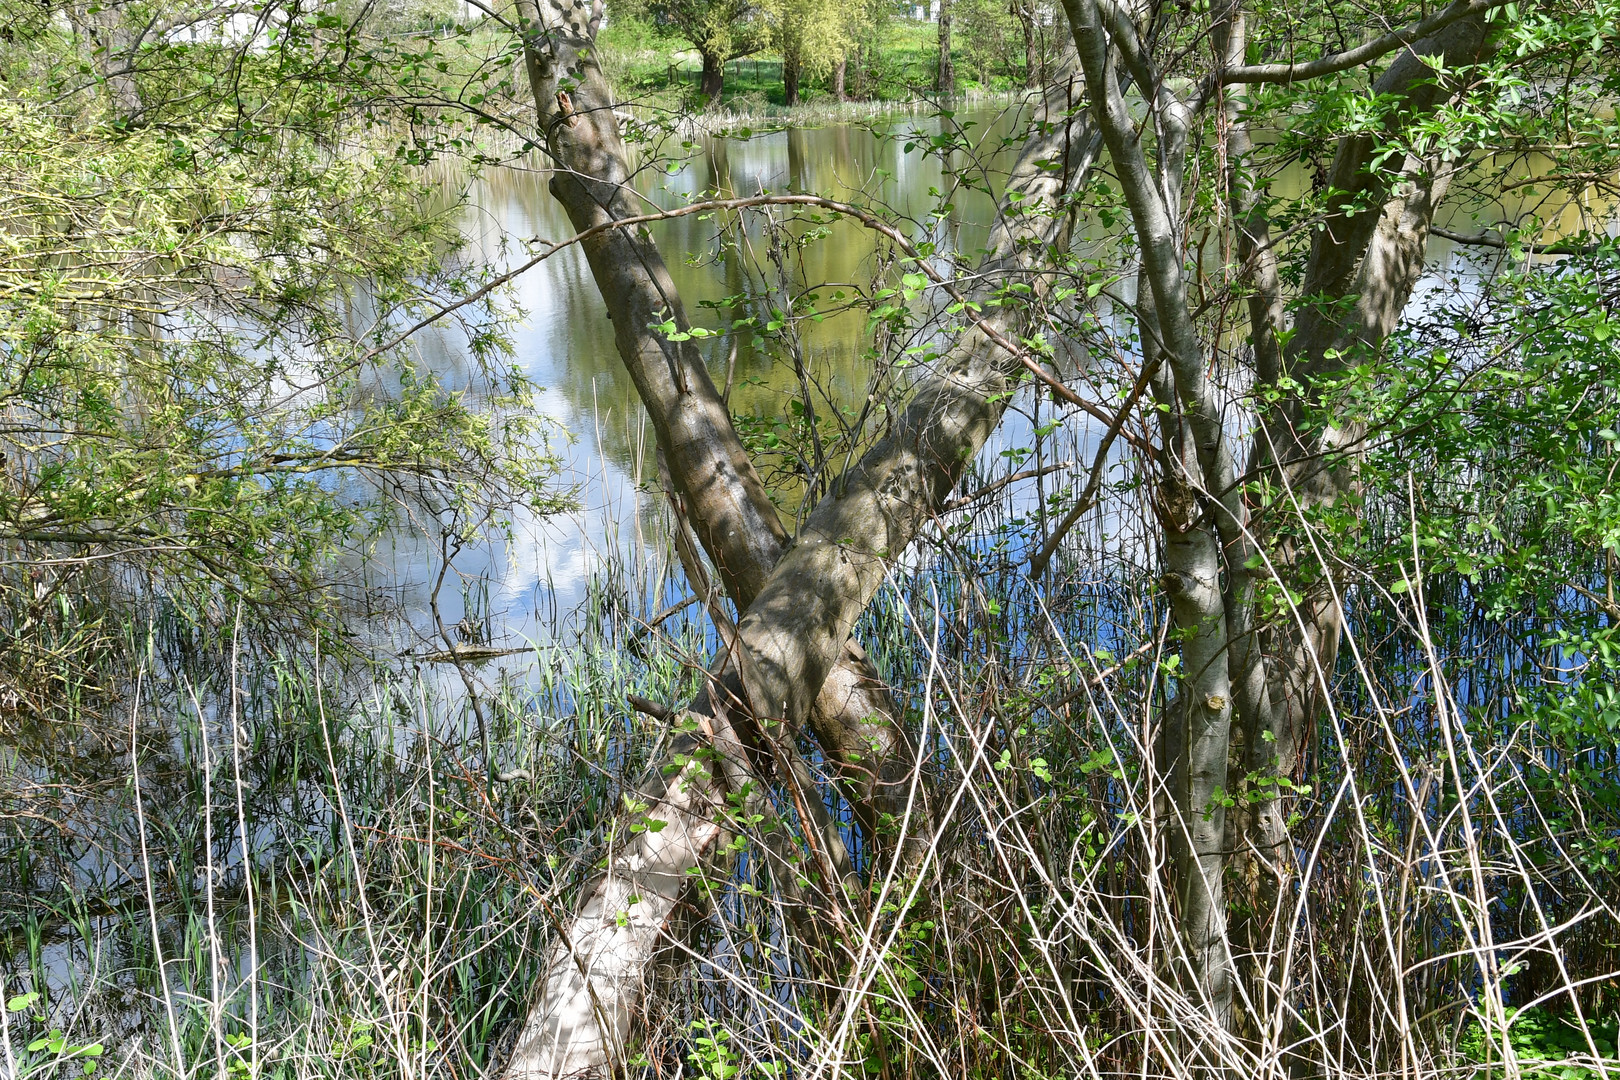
x: 662, y: 72
x: 1547, y: 1043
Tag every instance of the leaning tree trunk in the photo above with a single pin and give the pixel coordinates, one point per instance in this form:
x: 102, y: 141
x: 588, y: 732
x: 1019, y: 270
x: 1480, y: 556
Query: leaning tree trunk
x: 1363, y: 267
x: 1364, y: 263
x: 792, y: 635
x: 858, y: 725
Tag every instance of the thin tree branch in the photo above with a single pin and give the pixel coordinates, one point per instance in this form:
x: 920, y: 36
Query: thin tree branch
x: 1361, y: 54
x: 1038, y: 562
x: 1491, y: 238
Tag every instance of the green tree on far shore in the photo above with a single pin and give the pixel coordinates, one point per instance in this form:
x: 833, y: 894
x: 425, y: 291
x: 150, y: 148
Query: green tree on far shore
x: 720, y: 30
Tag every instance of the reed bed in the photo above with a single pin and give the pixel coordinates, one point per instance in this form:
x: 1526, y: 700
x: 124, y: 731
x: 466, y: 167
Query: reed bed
x: 294, y: 862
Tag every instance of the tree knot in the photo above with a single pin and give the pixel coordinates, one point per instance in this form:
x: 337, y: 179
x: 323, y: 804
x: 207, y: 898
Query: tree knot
x: 1176, y: 583
x: 1177, y: 504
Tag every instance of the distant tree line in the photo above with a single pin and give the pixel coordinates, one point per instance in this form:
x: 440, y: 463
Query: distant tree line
x: 839, y: 41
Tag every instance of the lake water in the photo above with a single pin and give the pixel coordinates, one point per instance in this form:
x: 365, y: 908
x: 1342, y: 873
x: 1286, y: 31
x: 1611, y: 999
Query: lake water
x: 564, y: 341
x: 528, y: 588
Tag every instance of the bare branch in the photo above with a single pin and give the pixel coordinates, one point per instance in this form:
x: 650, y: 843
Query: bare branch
x: 1491, y: 238
x: 1038, y: 562
x: 1361, y: 54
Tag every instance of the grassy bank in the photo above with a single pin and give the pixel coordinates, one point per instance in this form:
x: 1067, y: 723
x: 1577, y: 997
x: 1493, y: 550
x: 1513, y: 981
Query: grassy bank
x: 654, y: 69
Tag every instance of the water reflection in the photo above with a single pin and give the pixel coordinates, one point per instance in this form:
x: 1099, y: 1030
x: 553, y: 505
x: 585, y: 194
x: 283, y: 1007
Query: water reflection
x: 564, y: 342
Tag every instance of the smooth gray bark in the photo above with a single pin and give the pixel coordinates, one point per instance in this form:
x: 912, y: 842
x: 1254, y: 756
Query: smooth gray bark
x: 1198, y: 475
x: 1360, y: 274
x: 595, y: 976
x: 1362, y: 269
x: 1251, y: 690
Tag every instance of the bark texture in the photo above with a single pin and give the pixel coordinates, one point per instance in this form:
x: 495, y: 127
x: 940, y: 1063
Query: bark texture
x: 791, y: 70
x: 1251, y: 691
x: 792, y: 636
x: 115, y: 39
x: 1363, y: 267
x: 1197, y: 476
x: 594, y: 977
x: 858, y: 726
x: 1360, y: 274
x: 713, y: 79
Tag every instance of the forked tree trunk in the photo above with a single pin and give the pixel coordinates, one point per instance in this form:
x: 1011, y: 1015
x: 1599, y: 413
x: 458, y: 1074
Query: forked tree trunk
x: 945, y: 72
x: 1198, y: 470
x: 838, y: 79
x: 738, y: 527
x: 794, y: 633
x: 1362, y: 268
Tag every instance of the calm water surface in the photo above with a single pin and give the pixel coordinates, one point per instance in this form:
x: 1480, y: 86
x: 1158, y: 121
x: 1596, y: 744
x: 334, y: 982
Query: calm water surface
x: 564, y: 341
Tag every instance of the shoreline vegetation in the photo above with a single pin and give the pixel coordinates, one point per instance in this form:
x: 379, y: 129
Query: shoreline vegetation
x: 650, y: 67
x: 1097, y: 594
x: 744, y: 112
x: 643, y: 60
